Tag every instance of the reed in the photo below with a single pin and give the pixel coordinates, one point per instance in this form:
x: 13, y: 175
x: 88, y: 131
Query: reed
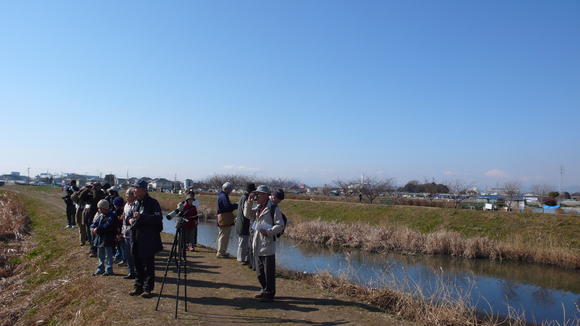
x: 404, y: 240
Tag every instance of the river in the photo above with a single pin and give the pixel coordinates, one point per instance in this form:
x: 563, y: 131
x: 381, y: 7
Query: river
x: 543, y: 293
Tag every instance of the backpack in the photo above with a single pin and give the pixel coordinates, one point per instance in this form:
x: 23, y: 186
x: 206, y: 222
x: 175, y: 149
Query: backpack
x: 272, y: 208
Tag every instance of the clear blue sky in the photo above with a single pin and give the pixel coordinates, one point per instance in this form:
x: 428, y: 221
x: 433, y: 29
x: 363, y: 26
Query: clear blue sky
x: 483, y: 91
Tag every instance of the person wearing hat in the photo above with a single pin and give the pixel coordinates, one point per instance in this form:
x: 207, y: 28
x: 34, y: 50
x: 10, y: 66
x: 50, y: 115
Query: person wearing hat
x: 146, y: 226
x: 103, y: 230
x: 190, y: 209
x: 225, y: 219
x: 267, y: 223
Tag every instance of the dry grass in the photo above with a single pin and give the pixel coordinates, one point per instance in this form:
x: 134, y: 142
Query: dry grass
x: 404, y: 240
x: 13, y: 243
x: 440, y: 308
x: 13, y: 220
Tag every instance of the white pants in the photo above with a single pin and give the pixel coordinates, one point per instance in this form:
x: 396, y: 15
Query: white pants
x: 223, y: 239
x: 243, y: 248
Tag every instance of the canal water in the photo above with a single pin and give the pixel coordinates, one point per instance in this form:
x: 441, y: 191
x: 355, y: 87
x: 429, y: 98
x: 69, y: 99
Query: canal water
x: 543, y: 293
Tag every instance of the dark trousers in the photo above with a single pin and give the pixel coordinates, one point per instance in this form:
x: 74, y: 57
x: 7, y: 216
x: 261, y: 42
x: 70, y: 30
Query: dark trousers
x: 266, y: 270
x: 70, y: 213
x: 144, y: 272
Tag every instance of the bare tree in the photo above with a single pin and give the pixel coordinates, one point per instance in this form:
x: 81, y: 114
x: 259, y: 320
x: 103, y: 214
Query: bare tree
x: 327, y: 189
x: 512, y: 191
x: 458, y: 191
x: 346, y: 187
x: 542, y: 191
x: 374, y: 187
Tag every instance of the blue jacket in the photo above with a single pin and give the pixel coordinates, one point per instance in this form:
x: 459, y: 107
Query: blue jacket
x: 106, y: 229
x: 224, y: 204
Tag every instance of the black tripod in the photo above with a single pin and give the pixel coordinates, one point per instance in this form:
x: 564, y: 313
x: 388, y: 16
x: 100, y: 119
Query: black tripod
x: 179, y: 255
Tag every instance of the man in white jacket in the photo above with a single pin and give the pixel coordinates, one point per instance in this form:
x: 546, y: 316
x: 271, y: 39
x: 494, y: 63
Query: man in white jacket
x: 267, y: 225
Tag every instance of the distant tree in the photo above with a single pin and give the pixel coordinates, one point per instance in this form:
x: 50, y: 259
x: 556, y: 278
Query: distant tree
x: 458, y: 190
x: 346, y: 187
x: 327, y: 189
x: 375, y: 187
x: 512, y: 191
x: 541, y: 190
x: 553, y: 194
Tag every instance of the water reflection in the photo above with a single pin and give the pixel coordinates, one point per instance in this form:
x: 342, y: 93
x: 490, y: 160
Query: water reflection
x: 541, y: 291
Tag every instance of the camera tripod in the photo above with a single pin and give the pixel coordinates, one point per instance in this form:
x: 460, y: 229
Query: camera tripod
x: 179, y: 255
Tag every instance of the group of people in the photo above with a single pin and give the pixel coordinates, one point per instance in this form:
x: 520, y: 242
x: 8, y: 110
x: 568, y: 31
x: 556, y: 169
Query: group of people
x: 258, y: 223
x: 127, y: 231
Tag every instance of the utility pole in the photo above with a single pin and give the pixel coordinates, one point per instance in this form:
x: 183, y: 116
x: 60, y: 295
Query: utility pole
x: 561, y: 178
x: 28, y: 178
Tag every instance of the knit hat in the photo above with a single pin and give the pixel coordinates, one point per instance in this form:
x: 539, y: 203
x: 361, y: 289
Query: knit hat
x: 118, y: 201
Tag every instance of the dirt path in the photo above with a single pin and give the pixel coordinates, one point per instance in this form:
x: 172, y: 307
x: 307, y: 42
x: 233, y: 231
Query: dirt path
x: 220, y: 291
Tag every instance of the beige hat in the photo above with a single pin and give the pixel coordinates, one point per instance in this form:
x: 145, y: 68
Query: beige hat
x: 103, y: 204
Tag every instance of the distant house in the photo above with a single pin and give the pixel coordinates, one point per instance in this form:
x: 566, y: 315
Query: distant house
x: 161, y: 184
x: 575, y: 196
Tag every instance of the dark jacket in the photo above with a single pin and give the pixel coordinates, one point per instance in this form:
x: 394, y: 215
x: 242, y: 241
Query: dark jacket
x: 146, y: 230
x: 68, y: 191
x: 224, y: 204
x: 242, y: 222
x: 106, y: 225
x: 91, y: 197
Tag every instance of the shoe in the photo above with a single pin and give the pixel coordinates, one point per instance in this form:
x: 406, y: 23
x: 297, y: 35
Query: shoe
x: 222, y: 255
x: 244, y: 263
x: 136, y: 292
x: 147, y: 295
x: 82, y: 244
x: 92, y: 254
x: 73, y: 226
x: 108, y: 274
x: 67, y: 227
x: 258, y: 296
x: 98, y: 273
x: 129, y: 277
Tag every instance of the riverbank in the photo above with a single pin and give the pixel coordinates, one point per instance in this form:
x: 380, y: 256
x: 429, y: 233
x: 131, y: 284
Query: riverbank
x: 55, y: 286
x: 528, y: 237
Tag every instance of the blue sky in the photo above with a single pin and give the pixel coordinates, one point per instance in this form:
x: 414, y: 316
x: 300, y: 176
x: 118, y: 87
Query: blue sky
x: 482, y: 91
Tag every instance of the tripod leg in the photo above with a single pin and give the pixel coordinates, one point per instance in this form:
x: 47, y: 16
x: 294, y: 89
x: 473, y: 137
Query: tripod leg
x: 171, y: 255
x: 178, y: 261
x: 185, y: 273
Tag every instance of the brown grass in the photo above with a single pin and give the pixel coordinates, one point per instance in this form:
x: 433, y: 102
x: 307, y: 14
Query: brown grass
x: 404, y: 240
x: 13, y: 243
x: 439, y: 309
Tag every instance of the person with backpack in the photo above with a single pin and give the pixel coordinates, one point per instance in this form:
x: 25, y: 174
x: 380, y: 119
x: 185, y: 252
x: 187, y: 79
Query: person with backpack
x: 190, y: 209
x: 243, y: 229
x: 225, y: 219
x: 267, y: 223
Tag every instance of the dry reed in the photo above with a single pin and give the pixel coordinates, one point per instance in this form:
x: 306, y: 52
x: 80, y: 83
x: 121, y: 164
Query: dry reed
x: 438, y: 309
x: 404, y: 240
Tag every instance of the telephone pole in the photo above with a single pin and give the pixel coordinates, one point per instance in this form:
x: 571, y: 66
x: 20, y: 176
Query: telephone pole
x: 561, y: 178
